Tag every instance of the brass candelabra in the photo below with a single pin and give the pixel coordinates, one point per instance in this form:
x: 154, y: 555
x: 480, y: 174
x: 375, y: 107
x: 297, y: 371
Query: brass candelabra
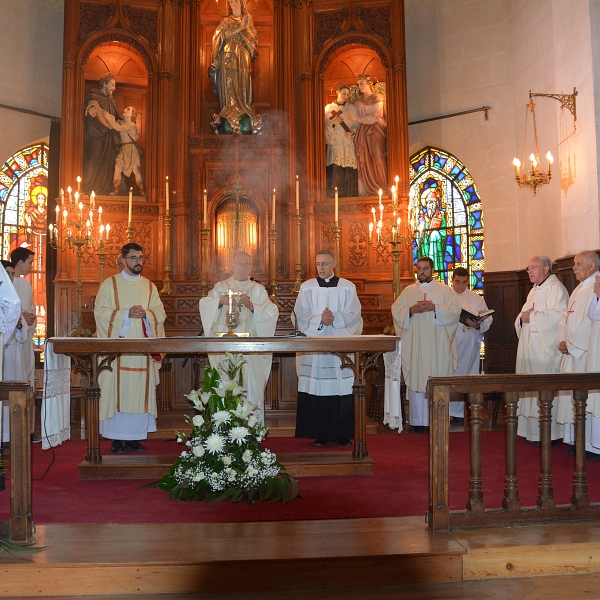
x: 204, y: 233
x: 337, y: 232
x: 298, y: 281
x: 273, y: 265
x: 167, y: 289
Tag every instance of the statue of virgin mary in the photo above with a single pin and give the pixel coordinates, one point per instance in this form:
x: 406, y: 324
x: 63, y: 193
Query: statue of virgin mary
x: 234, y: 47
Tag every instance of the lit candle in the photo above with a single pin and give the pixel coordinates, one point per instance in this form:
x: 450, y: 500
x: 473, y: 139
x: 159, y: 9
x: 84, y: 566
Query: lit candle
x: 517, y: 164
x: 62, y: 196
x: 370, y: 230
x: 77, y: 198
x: 69, y: 192
x: 380, y: 212
x: 99, y: 215
x: 51, y: 228
x: 92, y: 217
x: 107, y: 231
x: 101, y: 233
x: 336, y: 206
x: 297, y: 195
x: 205, y: 213
x: 65, y: 215
x: 373, y: 211
x: 87, y: 224
x: 80, y: 209
x: 394, y: 195
x: 397, y: 179
x: 78, y: 183
x: 550, y: 160
x: 533, y: 161
x: 273, y: 210
x: 57, y: 214
x: 93, y: 199
x: 166, y: 195
x: 69, y: 232
x: 130, y: 205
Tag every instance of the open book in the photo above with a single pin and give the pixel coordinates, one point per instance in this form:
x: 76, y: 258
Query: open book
x: 480, y: 316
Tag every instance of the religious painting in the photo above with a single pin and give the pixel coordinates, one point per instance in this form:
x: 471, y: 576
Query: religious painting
x: 445, y: 215
x: 23, y: 218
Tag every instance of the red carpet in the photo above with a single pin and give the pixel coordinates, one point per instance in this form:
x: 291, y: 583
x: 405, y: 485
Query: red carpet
x: 398, y: 486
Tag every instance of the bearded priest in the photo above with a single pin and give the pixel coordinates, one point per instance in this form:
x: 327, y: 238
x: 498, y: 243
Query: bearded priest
x: 426, y: 317
x: 253, y: 313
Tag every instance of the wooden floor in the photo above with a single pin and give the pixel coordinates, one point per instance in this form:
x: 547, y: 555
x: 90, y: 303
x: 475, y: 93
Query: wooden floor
x: 345, y: 558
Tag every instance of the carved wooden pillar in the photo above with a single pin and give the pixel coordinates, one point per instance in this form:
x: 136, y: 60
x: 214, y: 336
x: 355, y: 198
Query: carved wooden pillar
x: 475, y: 501
x: 165, y: 387
x: 580, y: 491
x: 546, y: 494
x: 511, y: 489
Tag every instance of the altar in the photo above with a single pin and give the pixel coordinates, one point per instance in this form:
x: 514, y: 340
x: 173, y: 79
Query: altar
x: 92, y: 356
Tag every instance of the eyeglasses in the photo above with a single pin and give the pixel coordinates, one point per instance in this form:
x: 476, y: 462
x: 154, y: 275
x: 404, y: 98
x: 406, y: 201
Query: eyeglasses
x: 136, y: 258
x: 323, y: 264
x: 534, y: 267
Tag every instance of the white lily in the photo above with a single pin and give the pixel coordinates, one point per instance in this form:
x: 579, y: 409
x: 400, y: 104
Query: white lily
x: 205, y: 397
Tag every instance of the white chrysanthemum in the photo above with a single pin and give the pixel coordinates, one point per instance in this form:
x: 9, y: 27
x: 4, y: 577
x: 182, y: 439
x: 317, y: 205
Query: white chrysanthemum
x: 238, y: 434
x: 221, y: 416
x: 247, y: 456
x: 226, y: 459
x: 198, y: 420
x: 198, y: 451
x: 214, y: 443
x: 252, y: 421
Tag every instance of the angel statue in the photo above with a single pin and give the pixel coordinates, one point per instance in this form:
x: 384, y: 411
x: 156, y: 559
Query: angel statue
x: 234, y: 47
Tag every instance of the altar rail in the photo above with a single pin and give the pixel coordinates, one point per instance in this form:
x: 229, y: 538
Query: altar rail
x: 440, y: 517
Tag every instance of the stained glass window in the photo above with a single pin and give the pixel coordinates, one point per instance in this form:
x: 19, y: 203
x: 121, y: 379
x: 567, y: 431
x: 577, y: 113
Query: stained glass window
x: 446, y: 216
x: 23, y: 217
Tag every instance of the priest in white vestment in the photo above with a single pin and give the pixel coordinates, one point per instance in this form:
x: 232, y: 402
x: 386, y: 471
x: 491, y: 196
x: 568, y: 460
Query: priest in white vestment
x: 593, y: 364
x: 10, y: 317
x: 426, y: 317
x: 468, y: 337
x: 129, y: 306
x: 327, y: 305
x: 573, y: 340
x: 254, y: 313
x: 537, y: 327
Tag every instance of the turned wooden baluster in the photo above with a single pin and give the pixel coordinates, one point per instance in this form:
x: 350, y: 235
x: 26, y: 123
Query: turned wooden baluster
x: 511, y: 490
x: 165, y: 385
x: 275, y: 383
x: 580, y: 493
x: 546, y: 495
x: 475, y: 501
x: 438, y: 515
x: 359, y: 390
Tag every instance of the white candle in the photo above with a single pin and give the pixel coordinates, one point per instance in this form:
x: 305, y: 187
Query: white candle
x: 336, y: 206
x: 57, y: 214
x: 130, y: 204
x: 205, y: 212
x: 380, y: 194
x: 87, y: 225
x: 297, y: 195
x: 99, y: 215
x: 78, y: 183
x: 80, y: 209
x: 166, y: 194
x: 92, y: 217
x: 93, y: 199
x: 69, y: 192
x: 65, y: 215
x: 273, y: 211
x: 101, y: 233
x: 62, y: 196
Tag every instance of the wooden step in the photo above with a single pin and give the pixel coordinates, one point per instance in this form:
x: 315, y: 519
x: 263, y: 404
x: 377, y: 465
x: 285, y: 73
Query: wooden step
x: 155, y: 466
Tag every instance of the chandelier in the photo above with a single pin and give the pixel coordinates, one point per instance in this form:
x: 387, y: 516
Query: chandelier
x: 536, y: 177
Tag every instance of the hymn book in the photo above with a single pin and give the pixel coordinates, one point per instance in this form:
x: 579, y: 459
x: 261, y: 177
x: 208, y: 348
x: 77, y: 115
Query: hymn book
x: 480, y: 316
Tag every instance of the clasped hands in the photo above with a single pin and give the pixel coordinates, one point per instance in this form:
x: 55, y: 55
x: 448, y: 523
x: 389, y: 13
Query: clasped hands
x: 422, y: 306
x: 327, y: 317
x: 137, y: 312
x: 562, y: 346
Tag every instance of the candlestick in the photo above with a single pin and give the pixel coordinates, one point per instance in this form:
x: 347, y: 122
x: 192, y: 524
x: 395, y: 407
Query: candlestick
x: 92, y: 217
x: 205, y: 212
x: 69, y: 192
x: 273, y: 266
x: 93, y: 199
x: 101, y: 229
x: 273, y: 211
x: 335, y: 210
x: 80, y: 209
x: 79, y: 184
x: 130, y: 204
x: 166, y: 195
x: 99, y: 215
x: 167, y: 289
x: 297, y: 194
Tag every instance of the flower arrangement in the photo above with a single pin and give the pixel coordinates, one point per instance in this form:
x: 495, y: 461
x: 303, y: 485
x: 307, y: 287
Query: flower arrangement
x: 223, y: 456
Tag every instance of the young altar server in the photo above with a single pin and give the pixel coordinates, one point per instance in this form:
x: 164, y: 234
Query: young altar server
x: 426, y: 317
x: 573, y: 339
x: 128, y: 306
x: 253, y: 313
x: 537, y: 327
x: 468, y: 335
x: 327, y: 305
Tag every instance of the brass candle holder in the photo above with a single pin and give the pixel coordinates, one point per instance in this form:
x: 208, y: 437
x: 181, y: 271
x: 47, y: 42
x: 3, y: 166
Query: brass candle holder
x: 231, y: 323
x: 129, y: 233
x: 204, y: 233
x: 273, y: 265
x: 337, y: 231
x: 298, y: 281
x: 167, y: 289
x: 102, y: 258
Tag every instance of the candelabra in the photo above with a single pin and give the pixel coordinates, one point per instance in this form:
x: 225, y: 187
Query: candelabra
x: 395, y: 239
x: 129, y: 233
x: 204, y: 233
x: 298, y: 281
x: 337, y: 230
x: 62, y: 239
x: 273, y: 265
x: 167, y: 289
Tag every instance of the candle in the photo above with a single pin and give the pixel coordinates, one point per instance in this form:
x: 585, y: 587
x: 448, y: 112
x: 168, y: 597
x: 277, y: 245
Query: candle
x: 80, y: 209
x: 99, y: 215
x: 107, y: 231
x: 87, y: 225
x: 273, y: 210
x: 57, y: 214
x: 166, y: 195
x: 92, y: 217
x: 69, y: 192
x: 380, y: 212
x: 517, y: 164
x: 380, y: 192
x: 93, y: 199
x: 394, y: 195
x: 101, y: 233
x: 370, y: 230
x: 550, y: 160
x: 297, y: 195
x: 205, y: 212
x: 62, y: 196
x: 396, y: 179
x: 335, y: 207
x: 65, y: 215
x: 78, y: 183
x: 373, y: 211
x: 130, y: 205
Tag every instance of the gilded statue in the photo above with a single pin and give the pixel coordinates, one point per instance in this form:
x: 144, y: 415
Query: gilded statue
x: 234, y: 47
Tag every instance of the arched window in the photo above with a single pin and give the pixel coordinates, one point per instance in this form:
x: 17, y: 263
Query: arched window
x: 446, y: 217
x: 23, y: 217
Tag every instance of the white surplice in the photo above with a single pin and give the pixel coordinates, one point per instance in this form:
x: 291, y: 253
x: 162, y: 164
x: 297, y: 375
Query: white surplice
x: 427, y: 341
x: 468, y: 343
x: 575, y: 328
x: 593, y: 366
x: 392, y: 400
x: 261, y: 322
x: 538, y: 351
x: 56, y: 399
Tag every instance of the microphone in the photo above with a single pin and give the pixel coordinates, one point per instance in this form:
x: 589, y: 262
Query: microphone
x: 257, y: 281
x: 296, y: 333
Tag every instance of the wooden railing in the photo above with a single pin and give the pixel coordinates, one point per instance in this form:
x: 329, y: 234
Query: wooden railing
x: 440, y: 517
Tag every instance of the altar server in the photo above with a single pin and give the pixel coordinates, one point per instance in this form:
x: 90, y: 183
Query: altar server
x: 468, y: 336
x: 128, y: 306
x: 537, y: 326
x: 327, y: 305
x: 426, y: 317
x: 573, y: 339
x: 253, y: 313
